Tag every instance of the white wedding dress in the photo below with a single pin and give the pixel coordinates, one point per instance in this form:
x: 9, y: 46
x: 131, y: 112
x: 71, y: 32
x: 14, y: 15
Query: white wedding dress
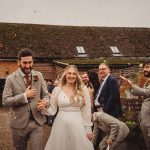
x: 71, y: 123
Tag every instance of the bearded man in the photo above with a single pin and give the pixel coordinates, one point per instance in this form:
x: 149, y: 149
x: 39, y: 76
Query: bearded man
x: 144, y: 116
x: 23, y: 90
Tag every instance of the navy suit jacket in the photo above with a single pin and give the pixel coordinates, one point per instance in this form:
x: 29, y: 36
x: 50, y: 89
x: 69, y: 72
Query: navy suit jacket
x: 109, y: 97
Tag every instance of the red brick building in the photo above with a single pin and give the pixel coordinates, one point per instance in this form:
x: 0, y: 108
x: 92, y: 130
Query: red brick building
x: 55, y: 47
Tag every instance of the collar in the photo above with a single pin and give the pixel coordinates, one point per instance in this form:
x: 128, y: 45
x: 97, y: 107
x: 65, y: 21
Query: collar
x: 22, y: 74
x: 106, y: 77
x: 95, y: 115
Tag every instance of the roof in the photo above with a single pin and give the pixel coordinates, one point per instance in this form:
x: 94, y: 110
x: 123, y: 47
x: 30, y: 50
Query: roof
x: 61, y: 41
x: 113, y: 62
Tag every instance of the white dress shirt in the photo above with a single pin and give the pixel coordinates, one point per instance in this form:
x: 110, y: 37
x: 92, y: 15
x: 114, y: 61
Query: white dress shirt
x: 100, y: 89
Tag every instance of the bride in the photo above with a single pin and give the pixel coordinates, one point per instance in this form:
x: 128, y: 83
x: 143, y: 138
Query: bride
x: 71, y: 129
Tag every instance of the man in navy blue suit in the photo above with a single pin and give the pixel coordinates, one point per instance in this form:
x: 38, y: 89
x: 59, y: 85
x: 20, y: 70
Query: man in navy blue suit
x: 107, y: 98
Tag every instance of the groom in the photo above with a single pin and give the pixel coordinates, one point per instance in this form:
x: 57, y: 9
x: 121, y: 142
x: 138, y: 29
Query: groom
x: 23, y: 90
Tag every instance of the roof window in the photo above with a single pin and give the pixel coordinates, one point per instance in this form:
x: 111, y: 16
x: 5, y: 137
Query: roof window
x: 81, y: 51
x: 115, y: 51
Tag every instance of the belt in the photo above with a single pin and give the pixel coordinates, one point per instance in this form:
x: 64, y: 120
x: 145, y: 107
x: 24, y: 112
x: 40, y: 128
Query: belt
x: 69, y: 108
x: 99, y: 106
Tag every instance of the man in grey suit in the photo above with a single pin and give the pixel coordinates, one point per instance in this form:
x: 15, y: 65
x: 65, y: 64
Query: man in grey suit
x: 145, y: 110
x: 23, y: 90
x: 115, y: 130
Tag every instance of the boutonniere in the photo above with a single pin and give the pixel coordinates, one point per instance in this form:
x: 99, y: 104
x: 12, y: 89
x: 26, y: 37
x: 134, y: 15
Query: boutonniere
x: 35, y: 78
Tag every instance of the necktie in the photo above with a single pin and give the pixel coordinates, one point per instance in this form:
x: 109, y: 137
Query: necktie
x: 28, y: 81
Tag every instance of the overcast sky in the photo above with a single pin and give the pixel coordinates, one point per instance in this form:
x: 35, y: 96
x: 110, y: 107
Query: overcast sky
x: 110, y: 13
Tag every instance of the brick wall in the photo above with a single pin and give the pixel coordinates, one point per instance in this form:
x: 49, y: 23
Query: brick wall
x: 47, y: 69
x: 7, y: 68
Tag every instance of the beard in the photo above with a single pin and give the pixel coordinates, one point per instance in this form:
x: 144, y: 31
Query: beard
x: 146, y: 74
x: 26, y: 70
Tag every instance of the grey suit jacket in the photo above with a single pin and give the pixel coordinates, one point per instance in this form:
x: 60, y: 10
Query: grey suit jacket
x: 114, y: 128
x: 145, y: 110
x: 13, y: 95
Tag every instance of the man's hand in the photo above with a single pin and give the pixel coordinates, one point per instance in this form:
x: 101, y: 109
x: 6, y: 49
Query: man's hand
x: 41, y: 105
x: 109, y: 141
x: 30, y: 93
x: 127, y: 81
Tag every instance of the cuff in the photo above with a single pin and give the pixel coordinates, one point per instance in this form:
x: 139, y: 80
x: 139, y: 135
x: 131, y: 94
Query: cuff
x: 88, y: 129
x: 25, y: 97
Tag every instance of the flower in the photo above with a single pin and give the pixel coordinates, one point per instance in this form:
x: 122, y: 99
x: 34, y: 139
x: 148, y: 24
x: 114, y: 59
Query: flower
x: 35, y: 78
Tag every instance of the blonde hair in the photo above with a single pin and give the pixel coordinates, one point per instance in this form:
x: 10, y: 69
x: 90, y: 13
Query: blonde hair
x: 77, y: 88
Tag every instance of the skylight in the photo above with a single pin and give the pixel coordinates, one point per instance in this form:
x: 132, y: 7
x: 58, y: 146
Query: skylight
x: 115, y: 51
x: 81, y: 51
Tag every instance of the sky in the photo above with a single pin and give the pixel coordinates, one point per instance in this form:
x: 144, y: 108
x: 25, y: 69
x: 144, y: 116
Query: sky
x: 100, y: 13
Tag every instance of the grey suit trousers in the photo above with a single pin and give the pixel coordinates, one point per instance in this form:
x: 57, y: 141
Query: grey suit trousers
x: 33, y: 132
x: 114, y: 145
x: 146, y: 135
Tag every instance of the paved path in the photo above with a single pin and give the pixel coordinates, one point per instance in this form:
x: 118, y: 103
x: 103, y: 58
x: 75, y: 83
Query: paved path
x: 6, y: 140
x: 5, y: 132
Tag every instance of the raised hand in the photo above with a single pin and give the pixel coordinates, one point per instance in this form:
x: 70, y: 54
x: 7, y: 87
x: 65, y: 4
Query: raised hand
x: 109, y: 141
x: 30, y: 93
x: 127, y: 81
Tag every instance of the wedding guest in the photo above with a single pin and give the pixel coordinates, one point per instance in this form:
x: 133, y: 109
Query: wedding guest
x: 94, y: 79
x: 107, y: 98
x: 50, y: 86
x: 115, y: 131
x: 23, y: 89
x: 56, y: 82
x: 145, y: 109
x: 88, y: 84
x: 71, y: 129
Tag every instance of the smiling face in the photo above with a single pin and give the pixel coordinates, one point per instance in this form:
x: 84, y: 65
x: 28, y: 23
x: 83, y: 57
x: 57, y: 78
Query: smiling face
x: 85, y: 78
x: 146, y: 70
x: 26, y: 63
x: 103, y: 71
x: 71, y: 76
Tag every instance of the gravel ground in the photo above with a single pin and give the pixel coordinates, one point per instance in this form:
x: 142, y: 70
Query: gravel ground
x: 5, y: 131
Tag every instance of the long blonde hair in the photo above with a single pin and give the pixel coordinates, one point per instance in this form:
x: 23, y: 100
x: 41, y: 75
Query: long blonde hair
x: 77, y: 88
